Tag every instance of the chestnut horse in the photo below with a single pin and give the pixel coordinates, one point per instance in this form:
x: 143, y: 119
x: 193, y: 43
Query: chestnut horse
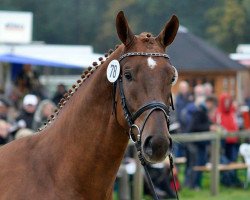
x: 78, y: 153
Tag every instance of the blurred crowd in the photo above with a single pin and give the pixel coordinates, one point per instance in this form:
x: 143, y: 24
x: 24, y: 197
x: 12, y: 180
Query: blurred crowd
x: 199, y: 110
x: 203, y: 111
x: 25, y: 107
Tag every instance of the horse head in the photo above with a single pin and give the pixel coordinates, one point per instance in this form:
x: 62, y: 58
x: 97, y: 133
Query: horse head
x: 144, y: 87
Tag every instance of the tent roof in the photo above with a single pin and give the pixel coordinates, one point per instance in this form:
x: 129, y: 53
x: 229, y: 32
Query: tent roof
x: 12, y: 58
x: 67, y: 56
x: 190, y: 53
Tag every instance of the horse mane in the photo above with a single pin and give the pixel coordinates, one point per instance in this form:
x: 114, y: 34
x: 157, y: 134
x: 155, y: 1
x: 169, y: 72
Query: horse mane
x: 85, y: 75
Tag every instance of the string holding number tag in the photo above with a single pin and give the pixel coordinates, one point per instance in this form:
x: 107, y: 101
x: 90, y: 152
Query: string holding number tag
x: 113, y: 71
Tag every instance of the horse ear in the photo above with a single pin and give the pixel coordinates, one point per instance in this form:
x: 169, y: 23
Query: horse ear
x: 124, y: 32
x: 167, y: 35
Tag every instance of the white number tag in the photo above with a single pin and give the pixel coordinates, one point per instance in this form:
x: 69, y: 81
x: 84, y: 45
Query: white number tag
x: 113, y: 71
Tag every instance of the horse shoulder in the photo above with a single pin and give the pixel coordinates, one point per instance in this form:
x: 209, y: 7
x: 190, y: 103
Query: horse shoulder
x: 20, y: 164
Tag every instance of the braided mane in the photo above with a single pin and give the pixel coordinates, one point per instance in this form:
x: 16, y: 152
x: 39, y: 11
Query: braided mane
x: 86, y: 74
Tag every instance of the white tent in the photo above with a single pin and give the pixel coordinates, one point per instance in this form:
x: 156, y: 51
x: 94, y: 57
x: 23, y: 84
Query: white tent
x: 49, y: 55
x: 64, y: 56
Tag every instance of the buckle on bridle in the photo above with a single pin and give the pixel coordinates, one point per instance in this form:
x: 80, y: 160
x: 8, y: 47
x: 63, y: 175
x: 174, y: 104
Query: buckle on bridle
x: 132, y: 135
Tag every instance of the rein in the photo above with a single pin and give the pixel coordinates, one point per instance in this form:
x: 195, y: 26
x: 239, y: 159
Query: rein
x: 131, y: 118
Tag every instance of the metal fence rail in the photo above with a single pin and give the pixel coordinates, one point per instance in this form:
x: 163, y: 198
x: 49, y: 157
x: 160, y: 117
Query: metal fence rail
x: 214, y: 137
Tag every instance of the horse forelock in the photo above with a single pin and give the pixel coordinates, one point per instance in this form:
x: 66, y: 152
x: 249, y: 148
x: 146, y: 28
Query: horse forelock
x: 146, y: 35
x: 146, y: 41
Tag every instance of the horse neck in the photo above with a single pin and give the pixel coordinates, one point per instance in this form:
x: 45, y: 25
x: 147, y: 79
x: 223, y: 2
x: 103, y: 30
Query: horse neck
x: 87, y: 133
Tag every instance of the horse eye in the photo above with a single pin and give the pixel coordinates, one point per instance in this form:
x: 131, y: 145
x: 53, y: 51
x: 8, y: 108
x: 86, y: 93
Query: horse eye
x: 128, y: 76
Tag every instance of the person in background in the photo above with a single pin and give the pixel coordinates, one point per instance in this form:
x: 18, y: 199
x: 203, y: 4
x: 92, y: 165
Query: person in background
x: 25, y: 119
x: 4, y: 132
x: 200, y: 122
x: 183, y: 98
x: 245, y: 114
x: 23, y: 132
x: 217, y: 115
x: 197, y: 120
x: 4, y: 109
x: 8, y: 113
x: 211, y: 104
x: 61, y: 90
x: 44, y: 110
x: 187, y: 112
x: 247, y: 101
x: 226, y: 117
x: 27, y: 80
x: 208, y: 89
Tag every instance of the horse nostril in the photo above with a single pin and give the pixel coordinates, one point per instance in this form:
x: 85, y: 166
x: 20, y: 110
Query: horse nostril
x: 155, y: 148
x: 148, y: 149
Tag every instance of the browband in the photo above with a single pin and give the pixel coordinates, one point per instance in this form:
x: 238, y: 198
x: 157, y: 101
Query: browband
x: 143, y: 54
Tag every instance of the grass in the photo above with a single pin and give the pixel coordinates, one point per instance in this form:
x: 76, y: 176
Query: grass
x: 225, y: 193
x: 204, y: 194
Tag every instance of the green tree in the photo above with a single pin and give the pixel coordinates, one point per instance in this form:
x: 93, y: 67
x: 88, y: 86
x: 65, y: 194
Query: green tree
x: 224, y: 22
x: 246, y: 5
x: 227, y: 22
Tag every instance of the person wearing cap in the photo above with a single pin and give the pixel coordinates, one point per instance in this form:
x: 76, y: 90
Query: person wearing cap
x: 25, y: 119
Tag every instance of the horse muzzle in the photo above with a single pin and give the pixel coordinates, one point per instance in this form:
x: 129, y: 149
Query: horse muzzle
x: 156, y: 148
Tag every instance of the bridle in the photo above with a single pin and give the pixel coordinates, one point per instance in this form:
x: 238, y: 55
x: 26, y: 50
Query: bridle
x: 131, y: 117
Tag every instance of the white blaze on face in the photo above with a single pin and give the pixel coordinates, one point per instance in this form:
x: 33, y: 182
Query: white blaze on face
x: 151, y: 63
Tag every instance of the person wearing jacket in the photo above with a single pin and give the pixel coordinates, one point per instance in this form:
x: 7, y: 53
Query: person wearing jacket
x: 25, y: 119
x: 44, y: 110
x: 226, y: 117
